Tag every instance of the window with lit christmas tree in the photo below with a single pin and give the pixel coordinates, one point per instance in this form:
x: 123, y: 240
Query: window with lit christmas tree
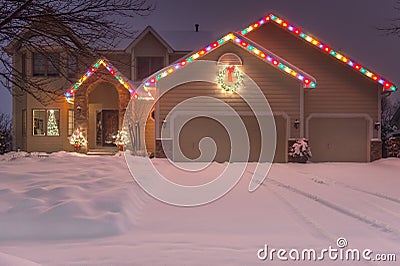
x: 52, y: 125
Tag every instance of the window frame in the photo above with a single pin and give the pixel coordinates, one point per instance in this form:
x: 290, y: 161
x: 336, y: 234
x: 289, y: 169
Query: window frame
x: 33, y: 122
x: 24, y: 129
x: 47, y: 64
x: 72, y: 63
x: 58, y: 124
x: 23, y: 66
x: 46, y: 111
x: 70, y: 130
x: 150, y: 64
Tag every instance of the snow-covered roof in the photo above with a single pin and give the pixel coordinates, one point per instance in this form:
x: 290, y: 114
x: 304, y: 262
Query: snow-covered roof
x: 177, y: 40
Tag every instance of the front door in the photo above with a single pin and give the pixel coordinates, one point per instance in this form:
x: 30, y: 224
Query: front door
x: 107, y: 127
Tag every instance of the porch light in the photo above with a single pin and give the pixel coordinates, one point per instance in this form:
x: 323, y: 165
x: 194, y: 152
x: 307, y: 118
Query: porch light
x: 296, y: 124
x: 377, y: 125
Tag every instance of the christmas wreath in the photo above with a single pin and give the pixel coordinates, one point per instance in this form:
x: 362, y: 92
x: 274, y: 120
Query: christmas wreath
x: 227, y: 73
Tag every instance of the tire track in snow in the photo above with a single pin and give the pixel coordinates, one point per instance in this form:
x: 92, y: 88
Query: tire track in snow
x: 375, y: 194
x: 309, y: 222
x: 357, y: 216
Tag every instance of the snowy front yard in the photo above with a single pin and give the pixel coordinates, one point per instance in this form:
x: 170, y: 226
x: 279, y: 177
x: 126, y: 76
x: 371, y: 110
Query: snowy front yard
x: 69, y: 209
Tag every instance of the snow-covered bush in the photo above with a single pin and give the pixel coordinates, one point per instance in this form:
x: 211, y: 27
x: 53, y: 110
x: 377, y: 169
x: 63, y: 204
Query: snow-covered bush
x: 392, y: 145
x: 300, y: 150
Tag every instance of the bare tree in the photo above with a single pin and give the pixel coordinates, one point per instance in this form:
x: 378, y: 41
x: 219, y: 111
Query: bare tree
x: 388, y: 110
x: 79, y: 27
x: 5, y: 133
x: 394, y: 27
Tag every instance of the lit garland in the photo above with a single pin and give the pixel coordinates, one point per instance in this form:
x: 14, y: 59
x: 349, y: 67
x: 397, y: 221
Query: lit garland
x: 387, y: 86
x: 233, y: 71
x: 260, y: 52
x: 69, y: 95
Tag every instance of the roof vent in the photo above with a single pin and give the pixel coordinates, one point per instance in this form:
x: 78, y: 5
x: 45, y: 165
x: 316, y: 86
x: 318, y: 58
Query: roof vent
x: 197, y: 27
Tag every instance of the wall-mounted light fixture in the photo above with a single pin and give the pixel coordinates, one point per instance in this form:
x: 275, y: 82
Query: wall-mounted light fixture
x: 377, y: 125
x: 164, y: 123
x: 296, y: 123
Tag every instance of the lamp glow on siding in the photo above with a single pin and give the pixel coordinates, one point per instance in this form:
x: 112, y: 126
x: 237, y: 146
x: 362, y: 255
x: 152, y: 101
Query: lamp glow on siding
x: 387, y: 85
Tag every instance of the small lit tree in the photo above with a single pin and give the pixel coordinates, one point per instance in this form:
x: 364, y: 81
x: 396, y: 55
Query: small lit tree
x: 121, y: 139
x: 77, y: 140
x: 52, y: 127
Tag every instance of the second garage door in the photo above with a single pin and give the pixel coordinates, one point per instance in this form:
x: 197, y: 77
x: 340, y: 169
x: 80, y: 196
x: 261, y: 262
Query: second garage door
x: 338, y: 139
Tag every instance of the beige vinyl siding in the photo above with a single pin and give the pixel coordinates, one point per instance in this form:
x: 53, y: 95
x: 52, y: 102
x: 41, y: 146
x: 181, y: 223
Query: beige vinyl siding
x: 281, y: 90
x: 18, y: 104
x: 340, y: 89
x: 47, y: 143
x: 121, y: 61
x: 149, y: 46
x: 175, y: 56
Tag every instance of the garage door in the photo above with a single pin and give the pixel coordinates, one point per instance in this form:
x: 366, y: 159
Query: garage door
x: 338, y: 139
x: 198, y: 128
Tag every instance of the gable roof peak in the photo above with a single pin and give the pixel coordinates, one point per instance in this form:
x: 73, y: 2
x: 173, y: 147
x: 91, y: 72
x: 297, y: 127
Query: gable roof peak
x: 387, y: 85
x: 149, y: 30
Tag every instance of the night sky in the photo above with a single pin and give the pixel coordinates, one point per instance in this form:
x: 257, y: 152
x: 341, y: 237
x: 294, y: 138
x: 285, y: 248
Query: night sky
x: 348, y: 26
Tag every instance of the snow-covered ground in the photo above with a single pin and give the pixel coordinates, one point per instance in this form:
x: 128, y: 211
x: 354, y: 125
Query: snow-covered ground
x: 70, y: 209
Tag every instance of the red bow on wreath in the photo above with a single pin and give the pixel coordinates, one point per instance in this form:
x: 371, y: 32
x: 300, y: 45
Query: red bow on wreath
x: 230, y: 70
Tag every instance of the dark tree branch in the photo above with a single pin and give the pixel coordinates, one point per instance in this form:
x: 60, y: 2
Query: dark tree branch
x: 81, y: 28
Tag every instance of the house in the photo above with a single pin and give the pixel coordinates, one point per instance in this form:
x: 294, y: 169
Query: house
x: 101, y: 102
x: 313, y: 91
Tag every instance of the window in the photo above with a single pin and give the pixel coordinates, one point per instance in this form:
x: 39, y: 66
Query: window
x: 39, y: 120
x: 72, y: 66
x: 71, y: 127
x: 46, y: 65
x: 53, y: 122
x: 53, y: 64
x: 23, y: 66
x: 46, y: 122
x: 148, y: 65
x: 24, y: 122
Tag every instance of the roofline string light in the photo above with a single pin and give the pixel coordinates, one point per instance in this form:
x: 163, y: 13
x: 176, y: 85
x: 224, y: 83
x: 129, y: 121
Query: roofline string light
x: 387, y: 85
x: 69, y: 95
x: 251, y: 47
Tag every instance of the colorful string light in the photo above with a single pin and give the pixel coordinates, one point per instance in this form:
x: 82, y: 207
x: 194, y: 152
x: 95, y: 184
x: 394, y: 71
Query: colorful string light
x: 69, y: 95
x: 387, y: 85
x: 260, y: 52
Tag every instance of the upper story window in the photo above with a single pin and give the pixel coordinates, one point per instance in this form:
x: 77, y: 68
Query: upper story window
x: 72, y: 65
x: 147, y: 65
x: 46, y: 65
x: 23, y: 66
